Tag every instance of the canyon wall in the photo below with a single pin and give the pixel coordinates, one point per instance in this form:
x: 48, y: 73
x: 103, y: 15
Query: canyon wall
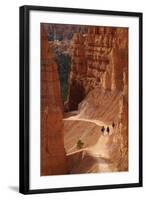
x: 97, y: 90
x: 98, y: 83
x: 53, y: 156
x: 99, y: 59
x: 62, y: 32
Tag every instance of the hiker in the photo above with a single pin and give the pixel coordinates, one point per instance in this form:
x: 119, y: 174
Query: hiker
x: 113, y: 125
x: 108, y: 130
x: 102, y: 129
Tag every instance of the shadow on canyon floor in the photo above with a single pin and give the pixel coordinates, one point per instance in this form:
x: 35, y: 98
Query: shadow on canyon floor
x: 83, y: 162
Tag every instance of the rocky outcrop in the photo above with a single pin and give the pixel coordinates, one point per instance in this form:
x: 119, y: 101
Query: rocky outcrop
x: 89, y: 60
x: 53, y: 157
x: 99, y: 58
x: 62, y: 32
x: 120, y: 56
x: 98, y: 85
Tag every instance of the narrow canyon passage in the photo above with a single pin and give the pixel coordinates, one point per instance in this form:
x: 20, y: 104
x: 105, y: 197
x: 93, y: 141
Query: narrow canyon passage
x: 84, y: 91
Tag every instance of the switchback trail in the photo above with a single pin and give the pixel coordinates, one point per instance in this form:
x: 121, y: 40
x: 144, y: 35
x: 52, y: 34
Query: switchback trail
x: 94, y: 158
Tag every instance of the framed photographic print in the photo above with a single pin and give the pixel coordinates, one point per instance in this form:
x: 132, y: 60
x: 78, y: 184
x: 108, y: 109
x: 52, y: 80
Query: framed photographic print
x: 80, y: 99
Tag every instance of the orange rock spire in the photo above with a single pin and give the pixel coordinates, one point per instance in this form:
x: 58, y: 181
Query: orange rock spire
x: 53, y: 157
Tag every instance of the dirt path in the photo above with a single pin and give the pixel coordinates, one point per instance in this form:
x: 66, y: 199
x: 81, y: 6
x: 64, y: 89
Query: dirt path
x: 98, y: 152
x: 96, y: 122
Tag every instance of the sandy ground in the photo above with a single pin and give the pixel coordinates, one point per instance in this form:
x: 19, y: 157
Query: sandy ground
x: 94, y: 156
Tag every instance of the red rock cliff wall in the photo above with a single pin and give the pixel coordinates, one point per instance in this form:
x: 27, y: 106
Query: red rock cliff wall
x: 90, y: 63
x: 99, y: 82
x: 53, y: 157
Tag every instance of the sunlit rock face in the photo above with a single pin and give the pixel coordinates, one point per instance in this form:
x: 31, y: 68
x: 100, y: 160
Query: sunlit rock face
x: 53, y: 157
x: 94, y: 63
x: 98, y: 84
x: 99, y: 58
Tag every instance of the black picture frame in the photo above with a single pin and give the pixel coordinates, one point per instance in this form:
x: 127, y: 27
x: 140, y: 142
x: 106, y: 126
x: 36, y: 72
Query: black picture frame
x: 25, y: 105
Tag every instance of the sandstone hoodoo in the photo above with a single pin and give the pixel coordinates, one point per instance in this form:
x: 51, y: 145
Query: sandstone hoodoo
x: 53, y: 157
x: 84, y: 99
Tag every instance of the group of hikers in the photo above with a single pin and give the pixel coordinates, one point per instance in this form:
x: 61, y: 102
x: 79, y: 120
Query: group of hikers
x: 103, y: 129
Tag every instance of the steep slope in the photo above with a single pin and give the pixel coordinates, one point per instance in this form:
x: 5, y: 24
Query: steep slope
x: 53, y: 156
x: 98, y: 91
x: 92, y: 160
x: 99, y: 147
x: 101, y: 104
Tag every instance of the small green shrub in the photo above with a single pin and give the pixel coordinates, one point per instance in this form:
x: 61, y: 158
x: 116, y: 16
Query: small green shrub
x: 80, y: 144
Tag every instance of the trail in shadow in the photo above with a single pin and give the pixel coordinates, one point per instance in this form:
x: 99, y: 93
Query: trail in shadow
x: 103, y: 160
x: 81, y: 162
x: 84, y: 162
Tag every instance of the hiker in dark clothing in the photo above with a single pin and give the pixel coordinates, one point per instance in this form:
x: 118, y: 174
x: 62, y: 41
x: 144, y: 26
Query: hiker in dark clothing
x: 102, y: 129
x: 113, y: 125
x: 108, y: 130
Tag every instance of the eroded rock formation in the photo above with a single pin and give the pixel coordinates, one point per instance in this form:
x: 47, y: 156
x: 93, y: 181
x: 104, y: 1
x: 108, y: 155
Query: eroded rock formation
x: 99, y: 85
x: 99, y: 58
x: 53, y: 157
x: 97, y: 93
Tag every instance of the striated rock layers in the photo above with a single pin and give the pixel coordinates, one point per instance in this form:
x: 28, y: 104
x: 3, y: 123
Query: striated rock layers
x: 98, y: 85
x: 53, y: 157
x: 64, y: 32
x: 99, y: 58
